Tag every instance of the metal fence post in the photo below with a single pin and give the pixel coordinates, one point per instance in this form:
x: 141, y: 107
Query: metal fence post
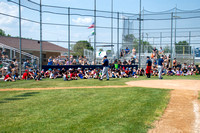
x: 171, y: 38
x: 95, y: 32
x: 118, y: 36
x: 40, y: 35
x: 112, y: 50
x: 20, y: 41
x: 69, y: 39
x: 160, y: 39
x: 194, y: 55
x: 191, y: 50
x: 140, y: 35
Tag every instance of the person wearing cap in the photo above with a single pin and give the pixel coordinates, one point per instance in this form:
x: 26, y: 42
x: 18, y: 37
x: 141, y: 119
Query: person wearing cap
x: 105, y: 63
x: 25, y: 75
x: 160, y: 66
x: 8, y: 77
x: 148, y: 68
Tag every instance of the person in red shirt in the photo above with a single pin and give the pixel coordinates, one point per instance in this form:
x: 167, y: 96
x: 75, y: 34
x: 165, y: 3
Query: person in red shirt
x: 73, y: 75
x: 8, y: 77
x: 25, y: 75
x: 127, y: 71
x: 31, y: 74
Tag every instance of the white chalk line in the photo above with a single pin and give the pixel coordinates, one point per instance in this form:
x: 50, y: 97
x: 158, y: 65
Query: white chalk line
x: 197, y: 116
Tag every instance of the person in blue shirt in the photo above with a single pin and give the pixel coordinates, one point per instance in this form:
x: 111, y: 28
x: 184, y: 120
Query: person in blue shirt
x: 50, y: 61
x: 105, y: 68
x: 160, y: 66
x: 127, y: 50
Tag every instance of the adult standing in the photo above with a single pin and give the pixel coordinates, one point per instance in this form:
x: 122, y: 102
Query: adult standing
x: 50, y: 61
x: 134, y: 51
x: 148, y: 68
x: 160, y: 66
x: 105, y: 68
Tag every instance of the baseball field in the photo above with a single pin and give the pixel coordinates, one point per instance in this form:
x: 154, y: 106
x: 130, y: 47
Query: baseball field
x: 124, y: 105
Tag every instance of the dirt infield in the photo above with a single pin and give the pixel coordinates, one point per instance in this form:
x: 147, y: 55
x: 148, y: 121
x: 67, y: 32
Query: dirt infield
x: 182, y: 114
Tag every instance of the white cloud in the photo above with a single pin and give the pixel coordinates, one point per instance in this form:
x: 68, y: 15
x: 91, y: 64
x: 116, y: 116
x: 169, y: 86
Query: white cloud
x: 7, y: 9
x: 80, y: 20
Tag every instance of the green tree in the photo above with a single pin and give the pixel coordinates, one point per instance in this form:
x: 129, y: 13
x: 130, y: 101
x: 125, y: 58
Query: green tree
x: 108, y: 52
x: 79, y: 47
x: 100, y: 49
x: 167, y: 49
x: 182, y: 47
x: 129, y: 38
x: 2, y: 32
x: 145, y: 47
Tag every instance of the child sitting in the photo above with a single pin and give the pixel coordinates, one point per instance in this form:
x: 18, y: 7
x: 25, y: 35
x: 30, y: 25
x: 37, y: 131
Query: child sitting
x: 170, y: 73
x: 178, y: 72
x: 25, y: 76
x: 16, y: 76
x: 38, y: 76
x: 8, y: 77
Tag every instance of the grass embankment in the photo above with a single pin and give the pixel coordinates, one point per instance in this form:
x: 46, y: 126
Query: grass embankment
x: 100, y: 110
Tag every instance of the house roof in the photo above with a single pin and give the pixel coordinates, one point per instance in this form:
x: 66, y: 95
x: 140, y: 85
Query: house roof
x: 33, y: 45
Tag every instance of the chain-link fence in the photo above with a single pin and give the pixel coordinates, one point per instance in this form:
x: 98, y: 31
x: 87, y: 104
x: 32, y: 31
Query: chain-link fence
x: 175, y: 30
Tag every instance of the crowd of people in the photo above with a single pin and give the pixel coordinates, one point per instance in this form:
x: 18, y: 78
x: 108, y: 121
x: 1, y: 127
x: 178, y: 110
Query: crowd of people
x: 75, y: 74
x: 158, y: 64
x: 83, y: 60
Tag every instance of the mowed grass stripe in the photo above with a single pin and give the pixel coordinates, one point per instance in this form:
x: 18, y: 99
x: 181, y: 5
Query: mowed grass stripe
x: 49, y: 83
x: 82, y: 110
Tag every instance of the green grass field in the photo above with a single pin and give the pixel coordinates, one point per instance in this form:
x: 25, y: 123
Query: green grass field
x: 46, y: 83
x: 116, y: 110
x: 94, y: 110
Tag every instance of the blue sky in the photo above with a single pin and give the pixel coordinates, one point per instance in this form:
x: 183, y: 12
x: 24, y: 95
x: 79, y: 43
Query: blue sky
x: 60, y: 33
